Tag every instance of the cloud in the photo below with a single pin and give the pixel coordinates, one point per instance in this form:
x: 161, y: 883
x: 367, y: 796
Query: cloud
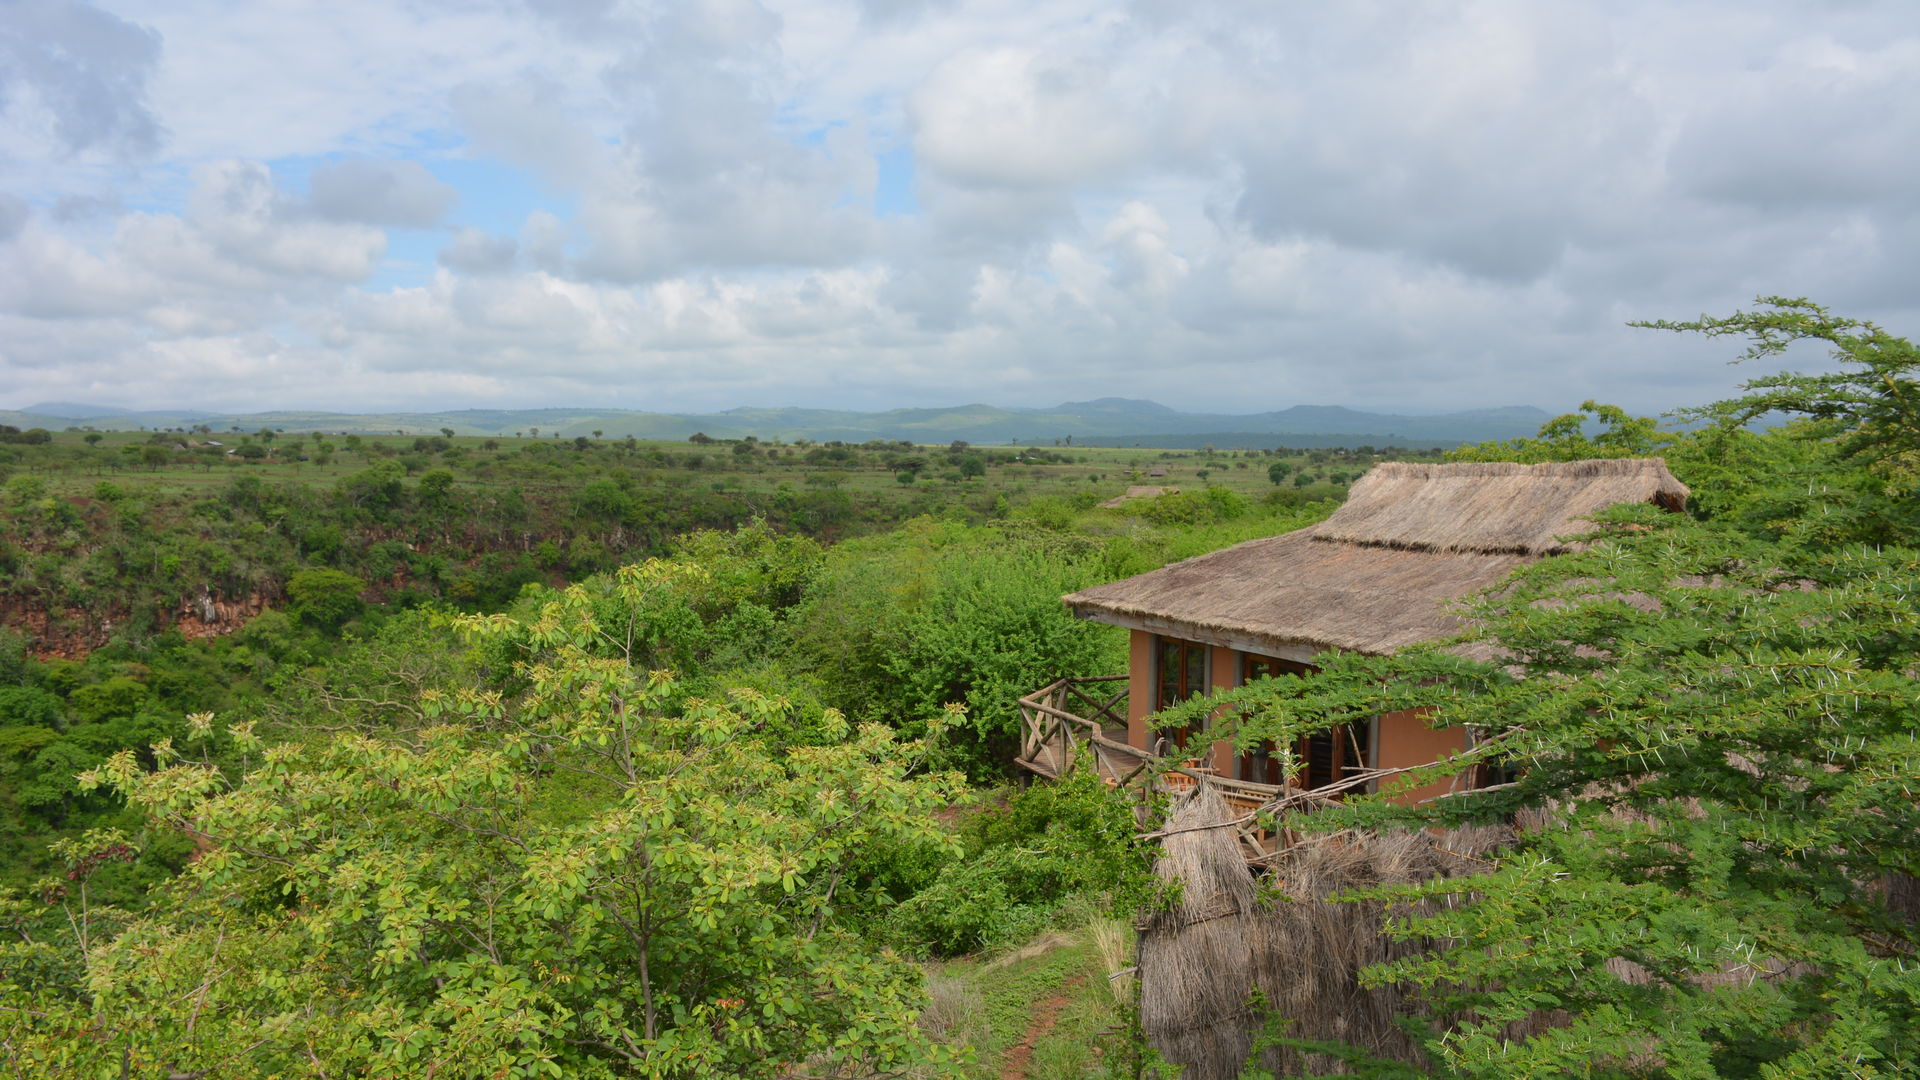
x: 1490, y: 139
x: 240, y: 255
x: 78, y: 74
x: 528, y: 121
x: 706, y: 174
x: 399, y: 193
x: 14, y: 213
x: 69, y: 209
x: 237, y: 207
x: 902, y: 12
x: 45, y: 275
x: 1019, y: 118
x: 1809, y: 129
x: 544, y: 239
x: 478, y: 252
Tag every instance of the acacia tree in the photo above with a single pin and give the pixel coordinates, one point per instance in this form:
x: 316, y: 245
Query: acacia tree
x: 1718, y: 720
x: 1565, y: 438
x: 1726, y: 764
x: 1724, y: 749
x: 562, y: 879
x: 1849, y: 469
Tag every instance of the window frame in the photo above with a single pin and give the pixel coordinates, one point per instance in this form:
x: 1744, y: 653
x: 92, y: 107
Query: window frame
x: 1262, y: 766
x: 1188, y: 683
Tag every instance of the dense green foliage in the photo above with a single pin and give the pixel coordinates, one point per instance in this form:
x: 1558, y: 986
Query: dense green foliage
x: 1021, y: 864
x: 191, y: 526
x: 380, y: 796
x: 562, y: 880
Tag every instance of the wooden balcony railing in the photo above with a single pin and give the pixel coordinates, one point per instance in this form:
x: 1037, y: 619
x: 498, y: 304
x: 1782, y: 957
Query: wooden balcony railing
x: 1073, y: 723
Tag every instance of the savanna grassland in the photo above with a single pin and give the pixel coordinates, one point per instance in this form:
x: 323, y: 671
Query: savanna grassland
x: 144, y: 530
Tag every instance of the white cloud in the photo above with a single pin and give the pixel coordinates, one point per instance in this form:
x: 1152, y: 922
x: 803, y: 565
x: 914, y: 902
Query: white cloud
x: 247, y: 218
x: 400, y: 193
x: 14, y: 213
x: 241, y: 257
x: 47, y: 276
x: 1021, y: 118
x: 477, y: 252
x: 73, y: 78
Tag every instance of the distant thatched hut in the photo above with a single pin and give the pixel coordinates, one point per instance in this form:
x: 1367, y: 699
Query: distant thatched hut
x: 1138, y: 491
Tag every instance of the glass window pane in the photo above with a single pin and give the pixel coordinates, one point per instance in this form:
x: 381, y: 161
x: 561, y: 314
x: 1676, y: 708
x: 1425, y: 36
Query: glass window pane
x: 1169, y: 664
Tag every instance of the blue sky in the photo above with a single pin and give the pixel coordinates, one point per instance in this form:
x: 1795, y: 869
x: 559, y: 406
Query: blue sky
x: 1223, y: 205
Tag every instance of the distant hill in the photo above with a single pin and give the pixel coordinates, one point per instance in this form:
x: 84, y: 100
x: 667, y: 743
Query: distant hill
x: 69, y: 410
x: 1266, y: 440
x: 25, y: 420
x: 1107, y: 406
x: 1103, y: 421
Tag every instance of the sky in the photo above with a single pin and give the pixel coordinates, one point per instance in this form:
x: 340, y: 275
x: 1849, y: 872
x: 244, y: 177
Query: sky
x: 1221, y: 205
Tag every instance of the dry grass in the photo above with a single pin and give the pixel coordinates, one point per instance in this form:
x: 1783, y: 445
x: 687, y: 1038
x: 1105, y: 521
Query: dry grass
x: 1493, y: 508
x: 1113, y: 941
x: 1196, y: 959
x: 1203, y: 959
x: 956, y: 1013
x: 1311, y: 949
x: 1045, y: 943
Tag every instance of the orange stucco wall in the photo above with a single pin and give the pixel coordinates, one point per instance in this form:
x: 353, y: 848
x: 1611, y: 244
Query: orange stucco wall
x: 1403, y: 740
x: 1139, y: 688
x: 1223, y: 671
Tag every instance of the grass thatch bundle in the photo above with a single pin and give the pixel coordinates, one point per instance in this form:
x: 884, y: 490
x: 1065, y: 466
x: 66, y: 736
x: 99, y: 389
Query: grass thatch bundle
x: 1196, y: 960
x: 1311, y: 950
x: 1496, y: 507
x: 1203, y: 959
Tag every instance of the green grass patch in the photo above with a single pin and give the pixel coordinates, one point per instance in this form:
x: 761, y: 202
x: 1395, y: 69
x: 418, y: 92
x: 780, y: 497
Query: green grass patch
x: 1046, y: 1007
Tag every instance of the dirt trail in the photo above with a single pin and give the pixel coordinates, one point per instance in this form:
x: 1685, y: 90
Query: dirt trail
x: 1045, y: 1015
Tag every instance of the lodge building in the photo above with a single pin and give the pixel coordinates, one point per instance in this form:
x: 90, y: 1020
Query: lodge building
x: 1380, y: 574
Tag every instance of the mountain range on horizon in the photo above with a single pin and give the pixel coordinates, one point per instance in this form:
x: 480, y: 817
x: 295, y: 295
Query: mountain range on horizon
x: 1102, y: 421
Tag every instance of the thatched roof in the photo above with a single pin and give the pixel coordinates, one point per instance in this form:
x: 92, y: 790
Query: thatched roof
x: 1139, y: 491
x: 1378, y: 575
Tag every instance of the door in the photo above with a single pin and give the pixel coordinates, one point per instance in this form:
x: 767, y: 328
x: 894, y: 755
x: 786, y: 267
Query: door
x: 1180, y: 672
x: 1319, y: 759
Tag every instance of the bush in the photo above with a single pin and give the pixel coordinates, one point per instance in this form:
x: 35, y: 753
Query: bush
x: 325, y: 598
x: 1050, y: 846
x: 24, y: 706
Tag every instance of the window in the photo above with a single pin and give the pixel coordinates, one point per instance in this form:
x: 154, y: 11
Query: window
x: 1180, y: 672
x: 1321, y: 758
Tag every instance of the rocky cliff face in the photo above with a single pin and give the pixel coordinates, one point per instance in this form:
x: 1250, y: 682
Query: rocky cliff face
x: 208, y: 616
x: 72, y: 634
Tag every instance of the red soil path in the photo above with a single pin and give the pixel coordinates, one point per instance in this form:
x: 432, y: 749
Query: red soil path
x: 1045, y: 1015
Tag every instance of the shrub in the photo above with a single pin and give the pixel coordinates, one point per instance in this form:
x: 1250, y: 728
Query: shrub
x: 1050, y: 846
x: 325, y: 598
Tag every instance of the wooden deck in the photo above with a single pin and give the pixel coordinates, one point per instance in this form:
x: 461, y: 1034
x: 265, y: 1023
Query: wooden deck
x: 1080, y: 723
x: 1077, y: 723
